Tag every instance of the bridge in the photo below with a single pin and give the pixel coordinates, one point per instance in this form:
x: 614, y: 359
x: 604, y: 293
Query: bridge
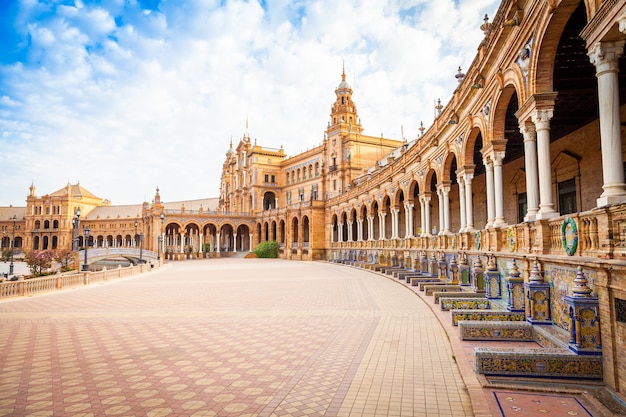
x: 131, y: 254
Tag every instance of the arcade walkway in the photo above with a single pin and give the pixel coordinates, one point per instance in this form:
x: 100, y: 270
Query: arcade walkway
x: 231, y: 337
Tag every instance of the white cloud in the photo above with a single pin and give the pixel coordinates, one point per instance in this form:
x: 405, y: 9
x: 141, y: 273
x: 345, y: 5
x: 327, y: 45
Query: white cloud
x: 123, y: 99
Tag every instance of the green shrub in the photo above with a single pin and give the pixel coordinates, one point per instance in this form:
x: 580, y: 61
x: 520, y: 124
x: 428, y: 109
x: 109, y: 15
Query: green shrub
x: 267, y: 249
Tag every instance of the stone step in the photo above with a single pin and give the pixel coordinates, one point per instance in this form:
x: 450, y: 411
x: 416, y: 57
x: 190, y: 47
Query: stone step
x: 429, y: 289
x: 417, y: 281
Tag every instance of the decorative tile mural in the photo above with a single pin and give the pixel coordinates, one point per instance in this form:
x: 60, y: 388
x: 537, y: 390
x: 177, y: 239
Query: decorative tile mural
x: 561, y: 280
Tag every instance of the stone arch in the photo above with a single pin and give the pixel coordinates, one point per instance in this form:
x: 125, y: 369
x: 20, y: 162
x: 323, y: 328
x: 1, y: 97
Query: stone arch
x: 386, y: 208
x: 344, y: 226
x: 306, y: 231
x: 499, y: 111
x: 541, y: 68
x: 451, y: 160
x: 353, y: 232
x: 242, y: 241
x: 431, y: 179
x: 375, y: 211
x: 295, y: 224
x: 269, y: 200
x: 227, y: 235
x: 363, y: 214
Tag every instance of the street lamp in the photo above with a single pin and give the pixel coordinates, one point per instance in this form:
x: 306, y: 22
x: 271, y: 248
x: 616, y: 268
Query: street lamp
x: 75, y: 224
x: 12, y: 245
x: 86, y: 231
x: 140, y: 247
x: 160, y: 238
x: 135, y: 237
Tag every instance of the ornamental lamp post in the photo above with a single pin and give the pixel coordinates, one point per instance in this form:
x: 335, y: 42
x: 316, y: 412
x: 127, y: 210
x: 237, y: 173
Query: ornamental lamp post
x: 12, y: 245
x: 75, y: 226
x: 86, y: 232
x: 140, y: 247
x: 160, y: 238
x: 135, y: 237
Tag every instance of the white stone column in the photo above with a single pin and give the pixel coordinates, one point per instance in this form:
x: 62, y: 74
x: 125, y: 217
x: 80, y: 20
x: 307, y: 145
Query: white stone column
x: 408, y: 214
x: 201, y: 240
x: 422, y: 216
x: 251, y: 240
x: 530, y: 162
x: 542, y: 118
x: 350, y: 223
x: 217, y: 240
x: 182, y: 242
x: 235, y: 242
x: 498, y: 157
x: 370, y: 227
x: 427, y: 215
x: 340, y: 232
x: 462, y: 214
x: 445, y: 195
x: 394, y: 222
x: 490, y: 192
x: 469, y: 204
x: 605, y: 56
x: 381, y: 225
x: 440, y: 206
x: 359, y: 230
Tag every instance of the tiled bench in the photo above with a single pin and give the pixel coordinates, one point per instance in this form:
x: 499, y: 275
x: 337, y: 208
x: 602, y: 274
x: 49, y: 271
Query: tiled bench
x: 429, y: 289
x: 513, y: 331
x: 461, y: 301
x: 540, y: 362
x: 485, y: 315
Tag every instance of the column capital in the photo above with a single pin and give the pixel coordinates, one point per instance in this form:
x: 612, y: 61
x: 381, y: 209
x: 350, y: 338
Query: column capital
x: 541, y: 118
x: 605, y: 56
x: 529, y: 131
x: 498, y: 157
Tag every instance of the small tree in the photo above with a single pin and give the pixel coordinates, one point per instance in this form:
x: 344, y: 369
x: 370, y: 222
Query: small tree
x: 267, y: 249
x: 38, y: 261
x: 64, y: 257
x: 6, y: 254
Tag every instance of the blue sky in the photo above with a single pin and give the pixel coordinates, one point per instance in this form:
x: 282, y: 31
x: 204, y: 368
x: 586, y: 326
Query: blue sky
x: 128, y: 95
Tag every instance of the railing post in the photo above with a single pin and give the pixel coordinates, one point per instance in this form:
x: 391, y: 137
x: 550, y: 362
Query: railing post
x: 21, y: 286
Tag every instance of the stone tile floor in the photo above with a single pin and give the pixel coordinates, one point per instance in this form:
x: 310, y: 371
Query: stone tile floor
x: 235, y: 337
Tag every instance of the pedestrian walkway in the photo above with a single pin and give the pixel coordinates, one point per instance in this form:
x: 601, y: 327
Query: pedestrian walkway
x: 236, y: 337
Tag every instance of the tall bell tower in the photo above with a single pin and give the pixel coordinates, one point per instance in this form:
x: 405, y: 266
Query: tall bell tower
x: 343, y: 114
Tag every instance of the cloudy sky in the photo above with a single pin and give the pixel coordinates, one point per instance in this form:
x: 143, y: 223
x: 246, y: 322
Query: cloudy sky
x: 127, y: 95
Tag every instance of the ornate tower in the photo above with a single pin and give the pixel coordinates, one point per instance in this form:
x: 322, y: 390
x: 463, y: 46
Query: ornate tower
x: 343, y: 114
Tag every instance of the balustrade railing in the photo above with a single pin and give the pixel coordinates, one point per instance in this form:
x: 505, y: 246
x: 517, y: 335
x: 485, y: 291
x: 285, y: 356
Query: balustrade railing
x: 59, y: 281
x: 600, y: 233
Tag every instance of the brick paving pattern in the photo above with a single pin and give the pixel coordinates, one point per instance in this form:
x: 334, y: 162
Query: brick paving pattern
x: 229, y: 338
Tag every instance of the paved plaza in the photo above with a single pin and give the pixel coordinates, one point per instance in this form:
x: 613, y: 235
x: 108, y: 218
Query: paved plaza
x: 238, y: 337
